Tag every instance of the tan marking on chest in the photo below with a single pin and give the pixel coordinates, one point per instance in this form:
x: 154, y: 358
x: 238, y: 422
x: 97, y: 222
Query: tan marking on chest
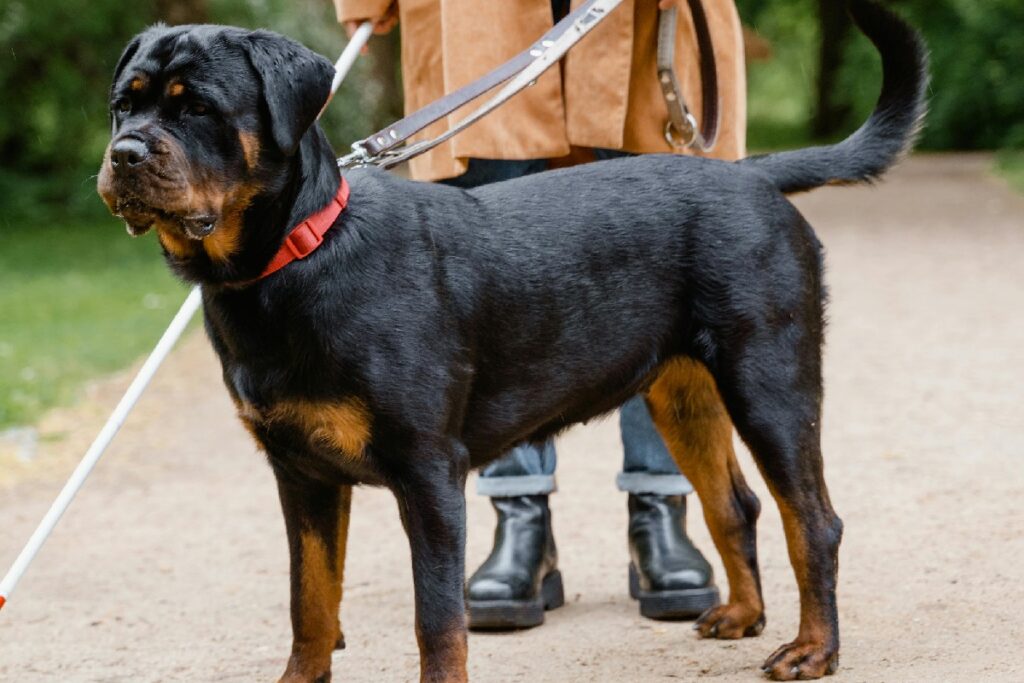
x: 342, y: 425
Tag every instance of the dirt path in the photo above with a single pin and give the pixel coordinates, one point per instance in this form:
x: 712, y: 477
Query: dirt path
x: 172, y: 564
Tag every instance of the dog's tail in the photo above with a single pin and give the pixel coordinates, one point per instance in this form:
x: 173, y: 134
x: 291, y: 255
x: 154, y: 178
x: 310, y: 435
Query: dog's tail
x: 890, y: 131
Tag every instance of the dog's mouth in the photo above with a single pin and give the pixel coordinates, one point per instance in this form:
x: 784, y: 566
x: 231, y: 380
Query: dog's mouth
x: 140, y: 218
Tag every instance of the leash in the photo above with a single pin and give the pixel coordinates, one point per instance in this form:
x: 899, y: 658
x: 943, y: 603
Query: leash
x: 681, y: 130
x: 387, y: 147
x: 382, y: 148
x: 113, y: 424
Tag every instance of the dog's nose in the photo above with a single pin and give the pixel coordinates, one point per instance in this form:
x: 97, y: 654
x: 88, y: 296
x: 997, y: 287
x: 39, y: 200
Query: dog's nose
x: 128, y: 152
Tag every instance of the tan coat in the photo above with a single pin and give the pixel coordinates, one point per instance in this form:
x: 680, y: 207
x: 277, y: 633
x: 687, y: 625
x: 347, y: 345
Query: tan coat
x: 607, y: 95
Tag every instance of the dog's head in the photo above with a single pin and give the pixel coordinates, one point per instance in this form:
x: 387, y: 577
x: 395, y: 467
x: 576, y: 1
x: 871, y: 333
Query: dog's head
x: 203, y: 120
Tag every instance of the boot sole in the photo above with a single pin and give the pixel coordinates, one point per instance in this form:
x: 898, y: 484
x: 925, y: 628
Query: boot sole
x: 683, y: 604
x: 507, y: 615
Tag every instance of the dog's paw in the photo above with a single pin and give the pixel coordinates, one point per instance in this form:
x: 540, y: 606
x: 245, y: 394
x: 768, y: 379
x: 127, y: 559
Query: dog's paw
x: 730, y: 622
x: 801, y: 661
x: 339, y: 643
x: 306, y: 671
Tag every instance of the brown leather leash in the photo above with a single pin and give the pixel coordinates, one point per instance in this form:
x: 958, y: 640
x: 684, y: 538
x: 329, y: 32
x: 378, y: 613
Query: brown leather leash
x: 681, y: 130
x: 389, y: 146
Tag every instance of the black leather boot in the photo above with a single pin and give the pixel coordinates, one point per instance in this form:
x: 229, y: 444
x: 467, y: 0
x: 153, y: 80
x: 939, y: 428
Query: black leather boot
x: 519, y: 580
x: 668, y: 575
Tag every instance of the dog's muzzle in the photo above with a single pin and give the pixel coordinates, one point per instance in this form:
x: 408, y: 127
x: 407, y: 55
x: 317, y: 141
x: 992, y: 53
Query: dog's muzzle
x: 137, y: 186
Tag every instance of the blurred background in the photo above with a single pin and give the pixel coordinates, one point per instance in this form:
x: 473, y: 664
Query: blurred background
x: 78, y: 299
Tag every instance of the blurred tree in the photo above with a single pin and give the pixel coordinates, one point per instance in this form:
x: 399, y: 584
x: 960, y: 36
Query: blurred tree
x: 183, y: 11
x: 385, y: 72
x: 977, y: 91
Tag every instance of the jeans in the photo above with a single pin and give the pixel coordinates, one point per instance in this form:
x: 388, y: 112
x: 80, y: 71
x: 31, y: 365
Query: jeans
x: 529, y: 469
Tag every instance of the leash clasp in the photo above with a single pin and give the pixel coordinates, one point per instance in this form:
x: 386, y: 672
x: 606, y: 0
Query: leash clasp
x: 685, y: 138
x: 356, y: 158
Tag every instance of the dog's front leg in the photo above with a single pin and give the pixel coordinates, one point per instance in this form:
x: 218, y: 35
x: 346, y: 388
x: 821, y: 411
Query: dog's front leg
x: 316, y: 517
x: 432, y: 503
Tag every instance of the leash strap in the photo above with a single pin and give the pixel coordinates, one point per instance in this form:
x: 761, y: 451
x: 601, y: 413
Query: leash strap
x: 387, y: 148
x: 681, y: 130
x: 521, y: 71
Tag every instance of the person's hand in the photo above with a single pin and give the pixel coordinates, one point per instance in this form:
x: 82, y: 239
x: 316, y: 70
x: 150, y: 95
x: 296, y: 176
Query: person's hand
x: 381, y: 25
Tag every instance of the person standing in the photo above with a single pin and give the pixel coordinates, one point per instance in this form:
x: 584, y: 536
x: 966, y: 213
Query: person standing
x: 605, y: 99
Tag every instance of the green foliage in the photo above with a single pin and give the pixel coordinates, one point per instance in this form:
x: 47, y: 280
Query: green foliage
x: 781, y: 90
x: 977, y: 90
x: 978, y: 72
x: 78, y: 299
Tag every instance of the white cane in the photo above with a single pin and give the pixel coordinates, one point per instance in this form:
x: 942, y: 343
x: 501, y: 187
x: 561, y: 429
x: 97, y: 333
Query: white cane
x: 141, y: 381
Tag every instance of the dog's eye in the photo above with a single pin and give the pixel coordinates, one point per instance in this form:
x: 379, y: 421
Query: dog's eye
x: 123, y: 105
x: 197, y: 109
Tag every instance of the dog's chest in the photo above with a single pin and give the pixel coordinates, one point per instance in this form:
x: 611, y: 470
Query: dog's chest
x: 319, y: 432
x: 341, y: 427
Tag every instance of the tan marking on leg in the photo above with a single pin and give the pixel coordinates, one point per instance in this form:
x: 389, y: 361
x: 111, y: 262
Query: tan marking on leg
x: 443, y: 658
x: 688, y: 412
x: 815, y: 651
x: 319, y: 598
x: 813, y: 625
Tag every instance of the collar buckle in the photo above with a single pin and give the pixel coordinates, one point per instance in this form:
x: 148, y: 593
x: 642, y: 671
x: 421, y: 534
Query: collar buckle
x: 303, y: 240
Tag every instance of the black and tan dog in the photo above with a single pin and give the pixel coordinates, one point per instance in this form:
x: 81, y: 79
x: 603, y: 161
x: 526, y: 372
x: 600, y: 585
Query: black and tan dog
x: 433, y: 328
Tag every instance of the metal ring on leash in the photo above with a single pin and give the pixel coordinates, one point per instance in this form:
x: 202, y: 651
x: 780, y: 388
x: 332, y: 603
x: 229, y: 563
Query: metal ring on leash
x: 683, y: 139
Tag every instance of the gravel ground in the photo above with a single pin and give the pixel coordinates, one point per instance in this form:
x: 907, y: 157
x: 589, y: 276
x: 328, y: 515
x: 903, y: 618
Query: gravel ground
x: 172, y: 566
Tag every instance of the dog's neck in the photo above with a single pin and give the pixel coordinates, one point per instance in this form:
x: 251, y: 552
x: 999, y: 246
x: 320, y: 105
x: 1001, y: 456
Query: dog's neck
x: 306, y: 185
x: 312, y: 181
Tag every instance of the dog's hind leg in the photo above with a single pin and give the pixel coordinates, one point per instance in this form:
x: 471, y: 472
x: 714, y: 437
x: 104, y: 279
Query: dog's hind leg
x: 693, y: 422
x: 432, y: 502
x: 316, y: 518
x: 770, y: 380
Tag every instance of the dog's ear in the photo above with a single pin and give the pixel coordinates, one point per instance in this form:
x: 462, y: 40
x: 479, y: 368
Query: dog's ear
x: 295, y: 83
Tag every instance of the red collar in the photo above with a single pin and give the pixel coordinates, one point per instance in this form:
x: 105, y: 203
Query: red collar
x: 305, y: 237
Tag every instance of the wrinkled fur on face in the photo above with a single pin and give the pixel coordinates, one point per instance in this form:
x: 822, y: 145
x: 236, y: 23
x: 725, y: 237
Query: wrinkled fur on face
x: 210, y: 144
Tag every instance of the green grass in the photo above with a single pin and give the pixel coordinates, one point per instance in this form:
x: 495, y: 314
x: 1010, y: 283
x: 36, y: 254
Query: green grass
x: 78, y: 298
x: 1010, y: 165
x: 775, y: 122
